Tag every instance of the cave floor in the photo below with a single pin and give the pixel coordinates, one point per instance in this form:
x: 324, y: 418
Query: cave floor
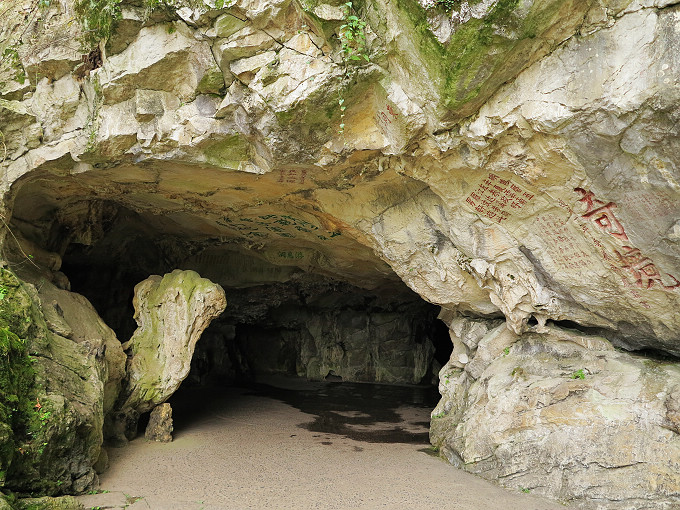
x: 356, y: 446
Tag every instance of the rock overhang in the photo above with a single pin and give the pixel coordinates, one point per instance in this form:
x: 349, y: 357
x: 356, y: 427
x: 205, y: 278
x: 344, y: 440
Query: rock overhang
x: 536, y: 183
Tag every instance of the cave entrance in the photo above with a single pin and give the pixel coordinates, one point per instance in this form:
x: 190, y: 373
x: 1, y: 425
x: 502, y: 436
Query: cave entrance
x: 319, y: 306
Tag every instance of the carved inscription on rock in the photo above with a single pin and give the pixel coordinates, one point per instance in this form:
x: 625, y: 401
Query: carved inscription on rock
x: 646, y: 203
x: 602, y: 214
x: 635, y: 267
x: 498, y: 199
x: 292, y: 175
x: 562, y: 248
x: 276, y: 225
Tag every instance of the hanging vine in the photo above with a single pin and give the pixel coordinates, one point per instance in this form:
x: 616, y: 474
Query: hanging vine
x: 353, y: 51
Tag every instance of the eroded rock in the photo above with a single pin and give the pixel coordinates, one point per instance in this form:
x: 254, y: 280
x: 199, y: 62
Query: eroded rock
x: 171, y: 312
x: 566, y: 415
x: 512, y: 162
x: 160, y: 424
x: 59, y: 388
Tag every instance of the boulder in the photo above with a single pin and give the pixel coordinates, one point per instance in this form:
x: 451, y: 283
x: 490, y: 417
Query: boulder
x: 58, y: 386
x: 160, y: 426
x: 514, y: 163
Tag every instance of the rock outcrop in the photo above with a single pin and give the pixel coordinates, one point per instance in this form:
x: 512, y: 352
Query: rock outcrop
x: 311, y: 329
x: 160, y: 425
x: 61, y: 372
x: 562, y: 413
x: 172, y: 311
x: 513, y: 162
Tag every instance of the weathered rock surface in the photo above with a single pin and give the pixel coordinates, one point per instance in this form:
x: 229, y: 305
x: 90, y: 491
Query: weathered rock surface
x: 311, y: 327
x: 64, y: 371
x: 171, y: 311
x: 160, y: 424
x: 47, y: 503
x: 564, y: 414
x: 513, y: 162
x: 353, y: 345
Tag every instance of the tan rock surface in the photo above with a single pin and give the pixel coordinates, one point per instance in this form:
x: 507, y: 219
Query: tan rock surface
x: 171, y: 311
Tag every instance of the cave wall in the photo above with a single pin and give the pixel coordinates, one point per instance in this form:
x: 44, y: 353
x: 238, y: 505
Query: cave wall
x: 322, y: 332
x: 511, y: 161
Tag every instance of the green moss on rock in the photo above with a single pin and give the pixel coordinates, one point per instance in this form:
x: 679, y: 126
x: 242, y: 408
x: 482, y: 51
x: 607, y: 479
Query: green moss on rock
x: 47, y: 503
x: 17, y: 377
x: 212, y: 82
x: 484, y: 53
x: 228, y: 153
x: 51, y: 395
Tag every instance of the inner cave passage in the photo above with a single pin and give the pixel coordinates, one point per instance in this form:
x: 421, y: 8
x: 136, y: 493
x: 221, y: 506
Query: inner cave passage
x: 291, y: 315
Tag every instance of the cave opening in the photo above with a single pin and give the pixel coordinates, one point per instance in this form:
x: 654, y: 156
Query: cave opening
x: 296, y: 309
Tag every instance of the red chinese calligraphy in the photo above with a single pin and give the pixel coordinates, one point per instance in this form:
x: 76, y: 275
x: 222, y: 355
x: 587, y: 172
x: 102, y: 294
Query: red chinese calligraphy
x: 562, y: 250
x: 495, y: 198
x: 386, y: 115
x: 643, y: 269
x: 602, y: 214
x: 292, y: 175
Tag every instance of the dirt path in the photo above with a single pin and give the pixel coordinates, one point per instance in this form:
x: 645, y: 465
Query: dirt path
x: 239, y: 450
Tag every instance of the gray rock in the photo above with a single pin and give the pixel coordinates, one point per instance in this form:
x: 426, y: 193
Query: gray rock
x: 47, y: 503
x: 565, y: 415
x: 531, y: 178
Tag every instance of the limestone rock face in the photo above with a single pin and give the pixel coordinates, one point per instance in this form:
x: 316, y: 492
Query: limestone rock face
x: 160, y: 424
x: 171, y: 311
x: 350, y: 345
x: 515, y: 163
x: 312, y: 328
x: 563, y: 414
x: 63, y: 372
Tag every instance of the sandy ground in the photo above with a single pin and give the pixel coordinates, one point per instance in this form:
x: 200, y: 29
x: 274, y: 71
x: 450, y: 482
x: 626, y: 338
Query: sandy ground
x: 237, y: 450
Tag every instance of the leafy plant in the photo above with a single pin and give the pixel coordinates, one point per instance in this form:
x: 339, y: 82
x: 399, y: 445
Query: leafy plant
x: 353, y: 35
x: 10, y: 58
x: 579, y: 374
x: 525, y: 490
x: 506, y: 351
x: 353, y: 50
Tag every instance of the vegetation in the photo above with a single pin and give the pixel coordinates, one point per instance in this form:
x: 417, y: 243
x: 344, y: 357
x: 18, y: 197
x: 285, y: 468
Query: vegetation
x: 448, y: 5
x: 353, y: 36
x: 477, y: 50
x: 20, y: 416
x: 98, y: 19
x: 10, y: 39
x: 353, y: 50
